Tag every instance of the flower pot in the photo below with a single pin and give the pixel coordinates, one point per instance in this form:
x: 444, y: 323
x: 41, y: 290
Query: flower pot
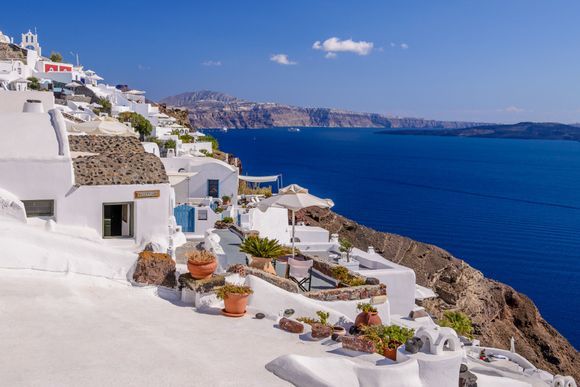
x: 235, y: 304
x: 391, y: 353
x: 368, y: 319
x: 201, y: 271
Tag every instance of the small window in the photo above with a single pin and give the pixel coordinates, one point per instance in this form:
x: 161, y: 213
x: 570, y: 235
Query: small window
x: 35, y: 208
x: 202, y: 215
x: 213, y: 188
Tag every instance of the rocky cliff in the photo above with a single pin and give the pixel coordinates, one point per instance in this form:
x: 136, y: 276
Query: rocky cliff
x: 209, y: 109
x: 497, y: 310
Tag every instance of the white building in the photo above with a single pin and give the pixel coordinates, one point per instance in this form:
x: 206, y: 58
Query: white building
x: 80, y: 182
x: 199, y: 184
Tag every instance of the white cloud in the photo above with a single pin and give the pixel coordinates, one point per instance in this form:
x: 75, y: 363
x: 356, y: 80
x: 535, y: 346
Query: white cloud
x: 513, y: 109
x: 393, y: 44
x: 404, y: 46
x: 141, y: 67
x: 330, y: 55
x: 211, y: 63
x: 334, y: 45
x: 282, y: 59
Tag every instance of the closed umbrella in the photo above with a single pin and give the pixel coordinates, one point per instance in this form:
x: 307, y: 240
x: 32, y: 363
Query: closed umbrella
x: 294, y: 198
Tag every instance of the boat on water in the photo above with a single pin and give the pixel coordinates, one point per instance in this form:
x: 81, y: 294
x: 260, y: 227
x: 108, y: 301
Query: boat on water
x: 224, y: 129
x: 294, y: 130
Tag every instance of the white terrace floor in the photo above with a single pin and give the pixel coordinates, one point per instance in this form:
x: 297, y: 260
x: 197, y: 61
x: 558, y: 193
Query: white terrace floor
x: 75, y: 330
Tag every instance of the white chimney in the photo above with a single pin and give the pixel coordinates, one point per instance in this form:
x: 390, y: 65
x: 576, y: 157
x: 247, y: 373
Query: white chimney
x: 334, y: 239
x: 33, y: 106
x: 371, y: 250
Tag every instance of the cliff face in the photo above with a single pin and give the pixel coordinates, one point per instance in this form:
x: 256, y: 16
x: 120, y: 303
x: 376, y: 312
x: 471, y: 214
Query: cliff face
x: 497, y: 310
x: 208, y: 109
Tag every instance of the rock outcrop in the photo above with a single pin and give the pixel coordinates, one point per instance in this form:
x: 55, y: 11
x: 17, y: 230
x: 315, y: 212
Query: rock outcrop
x: 210, y: 109
x: 155, y: 269
x: 498, y: 311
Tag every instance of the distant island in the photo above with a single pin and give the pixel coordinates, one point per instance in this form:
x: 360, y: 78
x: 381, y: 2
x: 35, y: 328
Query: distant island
x: 211, y: 109
x: 522, y: 130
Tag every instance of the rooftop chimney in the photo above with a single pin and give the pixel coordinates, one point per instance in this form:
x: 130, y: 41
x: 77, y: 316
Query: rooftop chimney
x: 33, y: 106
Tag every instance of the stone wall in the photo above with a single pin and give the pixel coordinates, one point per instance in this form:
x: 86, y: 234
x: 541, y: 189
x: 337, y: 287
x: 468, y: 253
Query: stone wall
x: 348, y: 294
x: 281, y: 282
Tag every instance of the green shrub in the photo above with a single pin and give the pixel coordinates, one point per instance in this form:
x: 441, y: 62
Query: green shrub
x: 208, y: 138
x: 228, y: 219
x: 387, y: 336
x: 342, y: 274
x: 346, y: 247
x: 138, y: 122
x: 365, y: 307
x: 323, y: 316
x: 262, y: 247
x: 169, y: 144
x: 460, y: 322
x: 223, y: 291
x: 34, y: 83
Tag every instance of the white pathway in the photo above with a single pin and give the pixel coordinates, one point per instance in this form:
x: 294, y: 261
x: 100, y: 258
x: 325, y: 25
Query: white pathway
x: 58, y: 330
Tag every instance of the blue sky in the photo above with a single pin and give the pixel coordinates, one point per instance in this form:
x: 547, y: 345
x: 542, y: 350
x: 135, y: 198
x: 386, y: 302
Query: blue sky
x: 488, y: 60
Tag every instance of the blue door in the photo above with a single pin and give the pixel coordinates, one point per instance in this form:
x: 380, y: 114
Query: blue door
x: 185, y: 217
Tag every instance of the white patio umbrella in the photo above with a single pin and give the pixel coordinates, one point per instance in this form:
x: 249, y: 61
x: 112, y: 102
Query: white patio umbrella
x: 294, y: 198
x: 72, y: 85
x: 110, y: 127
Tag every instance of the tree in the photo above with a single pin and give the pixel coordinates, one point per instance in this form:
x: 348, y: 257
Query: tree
x: 458, y: 321
x: 56, y: 57
x: 106, y: 106
x: 346, y: 247
x: 34, y: 83
x: 138, y: 122
x: 169, y: 144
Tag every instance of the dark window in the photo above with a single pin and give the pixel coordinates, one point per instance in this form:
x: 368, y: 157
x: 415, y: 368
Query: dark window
x: 39, y: 207
x: 213, y: 188
x: 201, y: 214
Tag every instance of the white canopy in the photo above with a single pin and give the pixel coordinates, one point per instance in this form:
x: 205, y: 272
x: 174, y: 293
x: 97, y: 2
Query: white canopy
x: 260, y: 179
x: 176, y: 178
x: 422, y: 293
x: 294, y: 197
x: 107, y: 127
x: 72, y: 85
x: 197, y: 134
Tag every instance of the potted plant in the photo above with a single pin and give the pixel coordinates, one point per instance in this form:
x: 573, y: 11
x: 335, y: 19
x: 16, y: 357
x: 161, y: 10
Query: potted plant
x: 263, y: 252
x: 226, y: 200
x: 201, y: 264
x: 320, y: 327
x: 387, y: 339
x: 235, y: 299
x: 368, y: 315
x: 346, y: 247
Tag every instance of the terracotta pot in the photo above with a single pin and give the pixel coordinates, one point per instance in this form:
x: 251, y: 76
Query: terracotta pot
x: 236, y: 303
x: 201, y: 271
x: 368, y: 318
x: 391, y: 353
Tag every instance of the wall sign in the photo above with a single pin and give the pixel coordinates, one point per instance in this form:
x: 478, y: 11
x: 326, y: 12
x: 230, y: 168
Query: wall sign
x: 147, y: 194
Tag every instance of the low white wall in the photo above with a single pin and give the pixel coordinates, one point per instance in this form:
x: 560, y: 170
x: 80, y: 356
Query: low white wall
x: 273, y: 223
x: 272, y: 300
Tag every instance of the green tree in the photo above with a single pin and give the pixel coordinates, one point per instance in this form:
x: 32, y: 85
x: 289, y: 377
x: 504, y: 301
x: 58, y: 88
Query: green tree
x: 34, y: 83
x: 106, y: 106
x: 56, y: 57
x: 458, y: 321
x: 346, y: 247
x: 138, y: 122
x: 169, y: 144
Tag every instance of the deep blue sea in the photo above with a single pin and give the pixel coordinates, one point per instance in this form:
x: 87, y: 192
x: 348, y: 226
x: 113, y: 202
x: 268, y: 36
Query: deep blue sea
x: 510, y: 208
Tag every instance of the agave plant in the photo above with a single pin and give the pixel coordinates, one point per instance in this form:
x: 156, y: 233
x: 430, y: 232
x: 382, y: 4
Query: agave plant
x: 262, y: 247
x: 458, y: 321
